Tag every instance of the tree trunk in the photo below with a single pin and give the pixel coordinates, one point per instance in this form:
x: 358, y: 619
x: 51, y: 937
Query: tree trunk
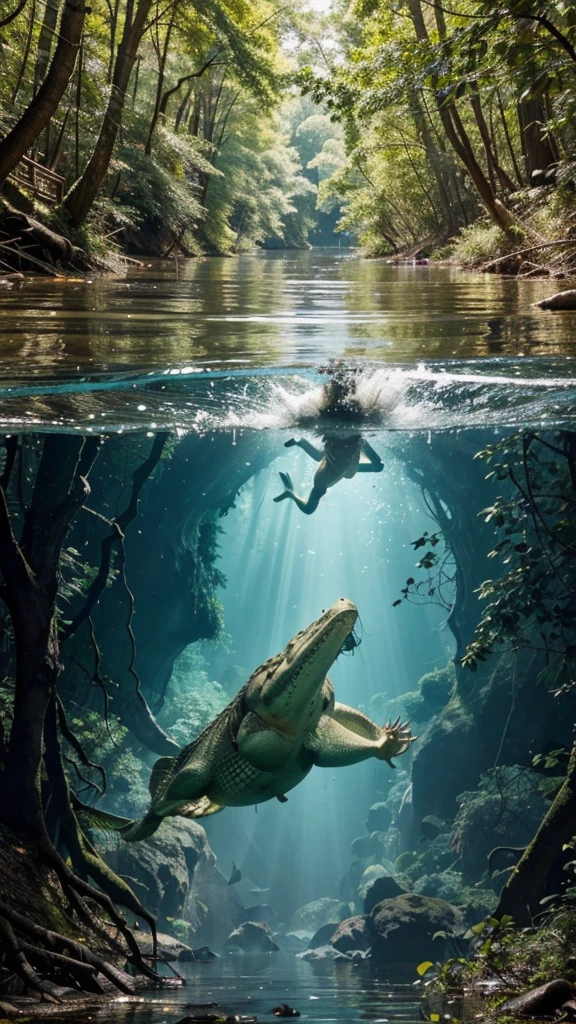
x: 162, y: 55
x: 79, y: 200
x: 526, y: 886
x: 456, y: 135
x: 539, y: 150
x: 455, y: 131
x: 30, y: 583
x: 45, y: 40
x: 37, y: 115
x: 495, y: 171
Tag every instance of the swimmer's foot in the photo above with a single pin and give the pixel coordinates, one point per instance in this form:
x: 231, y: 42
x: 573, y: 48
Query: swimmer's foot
x: 290, y: 443
x: 280, y: 497
x: 285, y: 478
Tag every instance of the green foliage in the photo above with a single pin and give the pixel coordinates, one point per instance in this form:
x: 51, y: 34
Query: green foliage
x: 437, y: 573
x: 533, y: 604
x: 480, y: 243
x: 506, y: 809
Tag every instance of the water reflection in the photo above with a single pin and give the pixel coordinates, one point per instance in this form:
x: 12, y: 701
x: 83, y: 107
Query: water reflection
x: 271, y: 309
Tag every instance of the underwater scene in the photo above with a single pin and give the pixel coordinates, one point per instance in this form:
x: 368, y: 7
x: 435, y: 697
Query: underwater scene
x: 288, y: 642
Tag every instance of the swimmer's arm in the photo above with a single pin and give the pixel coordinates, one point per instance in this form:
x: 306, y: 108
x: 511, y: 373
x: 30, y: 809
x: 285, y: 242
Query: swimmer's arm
x: 310, y: 449
x: 370, y: 461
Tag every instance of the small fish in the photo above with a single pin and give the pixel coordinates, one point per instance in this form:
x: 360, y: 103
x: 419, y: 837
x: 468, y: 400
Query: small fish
x: 258, y: 890
x: 285, y: 1011
x: 235, y: 876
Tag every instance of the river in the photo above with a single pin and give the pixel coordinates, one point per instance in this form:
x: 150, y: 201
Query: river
x: 236, y: 346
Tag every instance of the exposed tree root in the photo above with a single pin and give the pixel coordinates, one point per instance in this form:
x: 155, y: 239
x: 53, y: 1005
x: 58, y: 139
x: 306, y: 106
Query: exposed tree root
x: 16, y: 959
x: 53, y: 941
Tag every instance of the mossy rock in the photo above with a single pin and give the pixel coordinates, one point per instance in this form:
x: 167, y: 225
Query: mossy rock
x: 379, y: 818
x: 369, y: 846
x: 251, y: 937
x: 372, y: 872
x: 384, y: 888
x: 353, y: 933
x: 313, y: 915
x: 403, y: 928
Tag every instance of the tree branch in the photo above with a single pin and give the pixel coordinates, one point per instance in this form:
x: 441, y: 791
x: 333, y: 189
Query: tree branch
x: 10, y: 17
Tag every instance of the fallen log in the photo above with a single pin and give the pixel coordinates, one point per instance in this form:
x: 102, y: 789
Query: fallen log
x: 560, y: 300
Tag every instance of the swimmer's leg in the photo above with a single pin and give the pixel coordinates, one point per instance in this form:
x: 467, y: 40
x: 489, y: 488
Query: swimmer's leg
x: 305, y: 445
x: 307, y: 506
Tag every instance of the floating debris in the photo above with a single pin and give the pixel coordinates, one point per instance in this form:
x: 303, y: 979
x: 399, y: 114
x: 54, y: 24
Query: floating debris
x: 285, y: 1011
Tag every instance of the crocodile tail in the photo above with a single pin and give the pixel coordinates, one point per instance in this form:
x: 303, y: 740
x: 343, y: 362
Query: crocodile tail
x: 142, y: 828
x: 95, y: 817
x: 130, y: 829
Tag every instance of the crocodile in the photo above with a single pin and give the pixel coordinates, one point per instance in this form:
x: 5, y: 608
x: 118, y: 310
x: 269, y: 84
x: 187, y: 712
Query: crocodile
x: 283, y: 721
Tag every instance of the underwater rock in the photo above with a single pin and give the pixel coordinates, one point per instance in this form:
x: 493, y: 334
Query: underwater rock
x: 435, y: 784
x: 383, y: 888
x: 251, y: 937
x: 261, y: 912
x: 369, y: 876
x: 540, y: 1001
x: 352, y: 934
x: 324, y: 953
x: 365, y: 847
x: 403, y: 927
x: 323, y: 935
x: 379, y: 818
x: 296, y: 940
x: 560, y: 300
x: 313, y: 915
x: 202, y: 955
x: 430, y: 827
x: 163, y: 866
x: 348, y: 887
x: 175, y: 874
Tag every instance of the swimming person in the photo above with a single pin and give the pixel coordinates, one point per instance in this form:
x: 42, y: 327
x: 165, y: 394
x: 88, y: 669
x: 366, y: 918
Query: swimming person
x: 343, y: 456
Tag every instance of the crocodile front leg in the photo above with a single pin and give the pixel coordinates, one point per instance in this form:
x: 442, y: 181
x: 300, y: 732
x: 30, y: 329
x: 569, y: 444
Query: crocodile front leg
x: 348, y: 737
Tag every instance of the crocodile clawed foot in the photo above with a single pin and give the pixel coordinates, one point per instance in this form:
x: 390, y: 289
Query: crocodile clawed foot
x: 396, y: 739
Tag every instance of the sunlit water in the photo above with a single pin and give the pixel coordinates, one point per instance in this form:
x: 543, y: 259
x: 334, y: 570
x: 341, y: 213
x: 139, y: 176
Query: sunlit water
x: 235, y: 346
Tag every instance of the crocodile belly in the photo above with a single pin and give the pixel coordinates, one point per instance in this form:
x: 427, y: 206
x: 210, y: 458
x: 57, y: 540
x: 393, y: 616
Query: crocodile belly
x: 236, y: 783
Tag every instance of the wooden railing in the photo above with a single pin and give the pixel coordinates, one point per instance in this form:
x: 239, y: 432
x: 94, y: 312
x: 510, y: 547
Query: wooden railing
x: 44, y: 183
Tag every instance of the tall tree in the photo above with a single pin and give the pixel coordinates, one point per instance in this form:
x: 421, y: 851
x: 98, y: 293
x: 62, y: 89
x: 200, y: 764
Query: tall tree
x: 80, y: 199
x: 43, y: 106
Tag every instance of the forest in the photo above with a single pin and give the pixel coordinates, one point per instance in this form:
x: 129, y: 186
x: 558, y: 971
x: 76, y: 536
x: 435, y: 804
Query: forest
x: 410, y: 127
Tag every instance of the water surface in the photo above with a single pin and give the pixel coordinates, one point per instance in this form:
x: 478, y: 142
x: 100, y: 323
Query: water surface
x: 234, y: 342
